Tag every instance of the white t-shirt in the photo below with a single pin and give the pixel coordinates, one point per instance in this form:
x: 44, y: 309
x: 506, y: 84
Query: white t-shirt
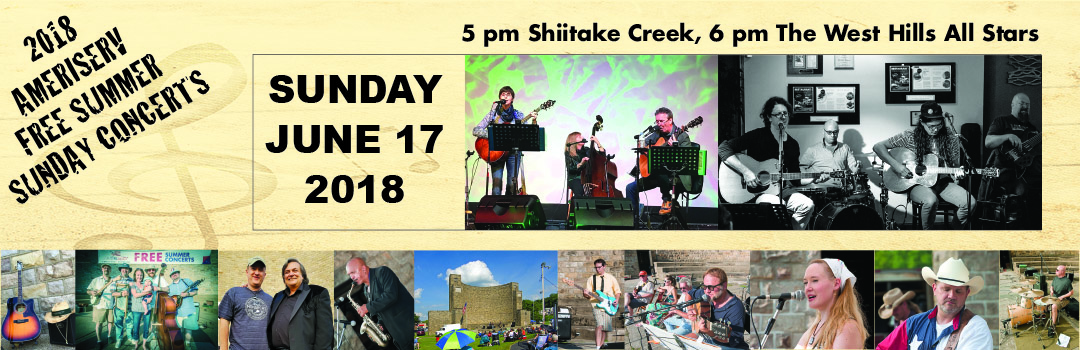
x: 976, y: 335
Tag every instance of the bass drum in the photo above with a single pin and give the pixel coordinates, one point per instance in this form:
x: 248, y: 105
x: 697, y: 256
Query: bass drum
x: 847, y: 216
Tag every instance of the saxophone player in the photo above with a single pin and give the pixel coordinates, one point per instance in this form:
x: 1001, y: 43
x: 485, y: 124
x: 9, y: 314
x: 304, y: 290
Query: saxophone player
x: 388, y: 300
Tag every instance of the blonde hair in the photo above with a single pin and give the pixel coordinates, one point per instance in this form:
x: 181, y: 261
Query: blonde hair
x: 572, y: 149
x: 844, y: 307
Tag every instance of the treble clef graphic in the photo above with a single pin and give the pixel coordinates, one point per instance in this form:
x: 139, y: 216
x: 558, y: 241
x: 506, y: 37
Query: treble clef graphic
x: 189, y: 167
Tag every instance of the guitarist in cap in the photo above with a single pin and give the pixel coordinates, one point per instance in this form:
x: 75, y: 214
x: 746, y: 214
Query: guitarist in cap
x: 607, y: 284
x: 930, y: 137
x: 183, y: 289
x: 1021, y: 175
x: 102, y: 302
x: 763, y: 144
x: 502, y: 112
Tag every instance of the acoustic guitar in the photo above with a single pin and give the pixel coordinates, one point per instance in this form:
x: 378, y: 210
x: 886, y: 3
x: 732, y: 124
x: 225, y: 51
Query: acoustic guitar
x: 927, y: 173
x: 21, y: 323
x: 643, y: 160
x: 482, y: 145
x: 734, y: 190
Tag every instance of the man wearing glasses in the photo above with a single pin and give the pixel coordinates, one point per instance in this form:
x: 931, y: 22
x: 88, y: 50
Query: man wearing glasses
x: 665, y: 126
x: 930, y: 137
x: 602, y: 282
x: 828, y: 155
x: 725, y: 308
x: 763, y: 144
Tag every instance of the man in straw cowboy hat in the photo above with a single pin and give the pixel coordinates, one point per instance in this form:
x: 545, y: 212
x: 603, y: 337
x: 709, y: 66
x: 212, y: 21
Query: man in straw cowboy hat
x: 897, y: 306
x: 949, y: 325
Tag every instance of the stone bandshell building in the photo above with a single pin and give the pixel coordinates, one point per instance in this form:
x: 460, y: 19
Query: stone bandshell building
x: 495, y: 305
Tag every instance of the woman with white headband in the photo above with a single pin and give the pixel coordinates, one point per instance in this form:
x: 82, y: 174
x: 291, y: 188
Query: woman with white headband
x: 830, y: 289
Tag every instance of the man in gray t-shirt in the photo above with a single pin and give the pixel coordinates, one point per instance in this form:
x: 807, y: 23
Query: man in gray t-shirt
x: 642, y: 293
x: 243, y: 311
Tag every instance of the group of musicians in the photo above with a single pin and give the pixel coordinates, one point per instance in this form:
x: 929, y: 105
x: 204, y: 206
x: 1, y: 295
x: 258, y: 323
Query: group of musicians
x: 664, y: 133
x: 130, y: 301
x: 932, y: 139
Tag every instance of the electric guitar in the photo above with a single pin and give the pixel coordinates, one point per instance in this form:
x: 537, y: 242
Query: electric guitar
x: 1022, y: 155
x: 734, y: 190
x: 925, y: 174
x: 608, y: 303
x: 21, y: 323
x: 483, y: 147
x: 643, y: 160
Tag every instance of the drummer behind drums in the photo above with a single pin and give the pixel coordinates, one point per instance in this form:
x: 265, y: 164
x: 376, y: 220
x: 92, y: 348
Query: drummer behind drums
x: 826, y: 156
x: 1062, y: 291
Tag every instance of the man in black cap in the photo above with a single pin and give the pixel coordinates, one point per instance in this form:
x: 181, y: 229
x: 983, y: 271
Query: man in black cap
x: 930, y: 137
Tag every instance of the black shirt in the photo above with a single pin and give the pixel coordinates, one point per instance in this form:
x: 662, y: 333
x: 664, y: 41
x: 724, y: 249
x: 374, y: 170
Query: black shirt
x: 761, y: 145
x: 280, y: 324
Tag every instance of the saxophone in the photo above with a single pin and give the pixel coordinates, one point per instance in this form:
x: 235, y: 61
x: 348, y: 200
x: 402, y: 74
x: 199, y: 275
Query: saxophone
x: 369, y: 326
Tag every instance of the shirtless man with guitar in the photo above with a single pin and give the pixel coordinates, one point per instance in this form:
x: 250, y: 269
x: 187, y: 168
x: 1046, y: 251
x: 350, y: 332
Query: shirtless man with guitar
x: 929, y: 165
x: 502, y: 112
x: 1015, y: 141
x: 753, y: 176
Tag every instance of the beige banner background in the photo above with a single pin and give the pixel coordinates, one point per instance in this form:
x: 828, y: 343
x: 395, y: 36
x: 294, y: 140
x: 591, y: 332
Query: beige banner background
x: 186, y: 182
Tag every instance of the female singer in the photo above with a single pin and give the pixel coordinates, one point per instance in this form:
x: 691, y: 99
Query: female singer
x: 830, y: 289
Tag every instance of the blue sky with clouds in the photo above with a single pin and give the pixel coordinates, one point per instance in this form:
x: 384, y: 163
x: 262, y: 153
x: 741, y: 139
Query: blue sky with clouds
x: 482, y: 269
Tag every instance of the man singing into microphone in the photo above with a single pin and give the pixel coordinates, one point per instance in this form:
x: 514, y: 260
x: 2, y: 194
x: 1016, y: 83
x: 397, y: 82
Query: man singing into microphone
x: 665, y: 128
x: 763, y: 144
x: 725, y: 308
x: 502, y: 112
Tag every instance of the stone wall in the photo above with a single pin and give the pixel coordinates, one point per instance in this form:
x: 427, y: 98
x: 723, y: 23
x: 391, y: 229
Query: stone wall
x: 48, y: 277
x: 577, y: 265
x: 778, y: 272
x: 399, y: 261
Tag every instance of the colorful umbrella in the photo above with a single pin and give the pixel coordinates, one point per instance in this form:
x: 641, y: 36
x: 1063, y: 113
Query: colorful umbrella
x: 456, y: 339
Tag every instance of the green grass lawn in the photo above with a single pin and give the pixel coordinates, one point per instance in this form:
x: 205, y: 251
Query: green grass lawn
x: 427, y: 342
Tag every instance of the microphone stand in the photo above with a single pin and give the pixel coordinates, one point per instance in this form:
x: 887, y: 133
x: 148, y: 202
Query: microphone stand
x: 468, y: 154
x: 781, y: 169
x: 971, y: 164
x: 768, y: 327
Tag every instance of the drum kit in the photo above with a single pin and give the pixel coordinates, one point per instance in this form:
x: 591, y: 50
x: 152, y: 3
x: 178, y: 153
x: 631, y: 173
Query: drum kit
x: 846, y: 204
x: 1032, y: 307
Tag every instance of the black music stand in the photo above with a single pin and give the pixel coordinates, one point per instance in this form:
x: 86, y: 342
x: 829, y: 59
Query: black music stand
x: 677, y: 161
x: 516, y: 138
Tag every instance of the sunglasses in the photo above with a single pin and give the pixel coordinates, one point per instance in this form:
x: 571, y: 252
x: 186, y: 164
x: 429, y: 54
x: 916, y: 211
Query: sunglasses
x: 711, y: 287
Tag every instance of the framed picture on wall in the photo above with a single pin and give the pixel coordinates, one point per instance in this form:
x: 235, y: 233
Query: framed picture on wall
x: 819, y: 103
x: 804, y: 65
x: 915, y: 117
x: 920, y: 82
x: 844, y: 61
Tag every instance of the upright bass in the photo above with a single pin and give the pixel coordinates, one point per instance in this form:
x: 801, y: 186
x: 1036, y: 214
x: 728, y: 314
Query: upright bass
x: 598, y: 177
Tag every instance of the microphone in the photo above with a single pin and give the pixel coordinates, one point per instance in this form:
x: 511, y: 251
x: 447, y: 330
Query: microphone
x: 350, y: 323
x: 574, y: 143
x: 651, y: 128
x: 469, y: 154
x: 798, y: 295
x: 500, y: 101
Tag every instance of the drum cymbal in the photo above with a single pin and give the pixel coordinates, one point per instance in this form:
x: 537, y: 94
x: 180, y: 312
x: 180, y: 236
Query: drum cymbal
x: 1020, y: 290
x: 1045, y: 300
x: 1029, y: 282
x: 1033, y: 294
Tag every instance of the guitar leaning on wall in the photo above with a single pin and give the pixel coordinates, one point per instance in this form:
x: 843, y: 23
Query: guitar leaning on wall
x: 21, y: 323
x: 608, y: 303
x: 483, y: 147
